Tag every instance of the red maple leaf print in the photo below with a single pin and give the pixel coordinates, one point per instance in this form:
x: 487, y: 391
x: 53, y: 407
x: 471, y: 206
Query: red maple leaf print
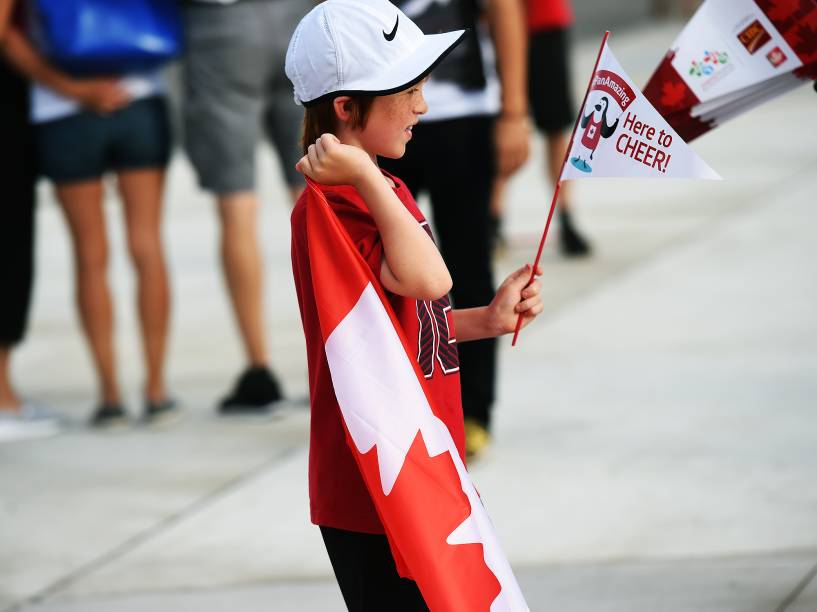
x: 666, y: 90
x: 673, y: 94
x: 806, y: 43
x: 423, y: 508
x: 781, y: 11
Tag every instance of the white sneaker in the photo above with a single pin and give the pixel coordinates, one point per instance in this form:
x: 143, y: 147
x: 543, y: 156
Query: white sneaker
x: 30, y: 421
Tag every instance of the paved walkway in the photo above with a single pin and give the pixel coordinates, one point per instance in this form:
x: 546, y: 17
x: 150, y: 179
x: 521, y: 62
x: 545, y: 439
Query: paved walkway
x: 656, y: 434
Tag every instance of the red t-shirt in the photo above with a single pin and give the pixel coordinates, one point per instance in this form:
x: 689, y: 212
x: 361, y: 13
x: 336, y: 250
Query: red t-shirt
x: 548, y: 14
x: 337, y: 495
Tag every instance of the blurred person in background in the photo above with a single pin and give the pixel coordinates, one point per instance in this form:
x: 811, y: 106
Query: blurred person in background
x: 18, y: 418
x: 85, y: 128
x: 234, y: 85
x: 664, y: 8
x: 470, y: 134
x: 551, y: 105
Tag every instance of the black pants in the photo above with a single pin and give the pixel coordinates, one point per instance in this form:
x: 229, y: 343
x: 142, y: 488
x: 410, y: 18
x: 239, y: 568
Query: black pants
x: 454, y: 162
x: 366, y: 574
x: 17, y: 176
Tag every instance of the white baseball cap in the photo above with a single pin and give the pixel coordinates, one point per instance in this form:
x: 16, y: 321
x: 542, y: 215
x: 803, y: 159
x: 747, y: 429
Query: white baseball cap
x: 352, y: 47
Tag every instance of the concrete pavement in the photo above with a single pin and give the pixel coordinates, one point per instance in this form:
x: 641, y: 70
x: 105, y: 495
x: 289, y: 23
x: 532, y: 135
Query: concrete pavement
x: 656, y: 438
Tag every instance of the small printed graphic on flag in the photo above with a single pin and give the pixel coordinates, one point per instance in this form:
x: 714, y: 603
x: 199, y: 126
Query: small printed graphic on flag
x: 754, y: 36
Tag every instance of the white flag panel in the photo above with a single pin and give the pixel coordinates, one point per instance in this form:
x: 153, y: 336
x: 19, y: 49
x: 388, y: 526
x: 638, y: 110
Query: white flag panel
x: 620, y: 134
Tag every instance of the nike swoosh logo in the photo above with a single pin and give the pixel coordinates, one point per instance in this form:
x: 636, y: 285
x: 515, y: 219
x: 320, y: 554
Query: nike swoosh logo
x: 390, y: 35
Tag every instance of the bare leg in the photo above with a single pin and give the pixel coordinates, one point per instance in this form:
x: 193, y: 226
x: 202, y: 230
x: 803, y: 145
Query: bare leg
x: 572, y: 242
x: 241, y: 257
x: 496, y: 212
x: 142, y: 193
x: 498, y: 197
x: 82, y: 206
x: 8, y: 398
x: 556, y: 146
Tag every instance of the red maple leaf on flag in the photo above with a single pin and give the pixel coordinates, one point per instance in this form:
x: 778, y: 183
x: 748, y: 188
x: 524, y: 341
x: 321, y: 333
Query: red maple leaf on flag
x: 796, y: 20
x: 673, y: 94
x: 779, y: 11
x: 470, y: 585
x: 666, y: 90
x: 806, y: 43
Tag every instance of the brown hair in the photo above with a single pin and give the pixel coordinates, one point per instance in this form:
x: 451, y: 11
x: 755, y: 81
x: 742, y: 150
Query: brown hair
x: 321, y: 118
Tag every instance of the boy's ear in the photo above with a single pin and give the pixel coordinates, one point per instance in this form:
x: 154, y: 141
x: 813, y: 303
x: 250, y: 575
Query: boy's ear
x: 343, y: 108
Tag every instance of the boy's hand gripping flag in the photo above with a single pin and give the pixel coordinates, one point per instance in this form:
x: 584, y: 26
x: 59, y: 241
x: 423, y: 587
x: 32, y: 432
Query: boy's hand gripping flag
x: 618, y: 133
x: 437, y: 527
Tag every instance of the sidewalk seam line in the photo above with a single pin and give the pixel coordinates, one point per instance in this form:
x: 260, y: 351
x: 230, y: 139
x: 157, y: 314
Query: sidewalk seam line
x: 152, y: 532
x: 798, y: 590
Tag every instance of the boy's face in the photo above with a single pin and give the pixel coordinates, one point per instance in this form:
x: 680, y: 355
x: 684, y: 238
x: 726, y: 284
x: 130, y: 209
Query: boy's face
x: 388, y: 127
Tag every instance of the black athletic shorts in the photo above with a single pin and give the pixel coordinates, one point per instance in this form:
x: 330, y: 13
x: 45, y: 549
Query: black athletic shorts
x: 549, y: 81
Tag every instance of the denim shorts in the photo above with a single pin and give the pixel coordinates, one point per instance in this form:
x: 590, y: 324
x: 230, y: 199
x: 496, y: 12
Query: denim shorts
x: 86, y: 145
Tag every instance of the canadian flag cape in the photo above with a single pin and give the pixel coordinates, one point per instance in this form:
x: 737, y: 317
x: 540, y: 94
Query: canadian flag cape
x: 437, y: 527
x: 619, y: 134
x: 732, y: 56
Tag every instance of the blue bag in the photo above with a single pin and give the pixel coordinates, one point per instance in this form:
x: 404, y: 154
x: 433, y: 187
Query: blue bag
x: 108, y: 37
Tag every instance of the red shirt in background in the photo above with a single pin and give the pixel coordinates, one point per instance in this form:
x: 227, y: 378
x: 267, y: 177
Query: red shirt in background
x: 337, y: 494
x: 549, y: 14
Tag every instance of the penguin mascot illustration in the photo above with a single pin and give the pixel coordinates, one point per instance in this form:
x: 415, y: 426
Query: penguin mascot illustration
x: 595, y: 128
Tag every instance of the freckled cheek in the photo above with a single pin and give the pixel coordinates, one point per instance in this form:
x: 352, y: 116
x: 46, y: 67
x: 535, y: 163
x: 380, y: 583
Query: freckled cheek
x: 388, y: 129
x: 400, y: 115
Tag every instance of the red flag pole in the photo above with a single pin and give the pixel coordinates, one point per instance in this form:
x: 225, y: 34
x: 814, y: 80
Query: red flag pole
x: 559, y: 181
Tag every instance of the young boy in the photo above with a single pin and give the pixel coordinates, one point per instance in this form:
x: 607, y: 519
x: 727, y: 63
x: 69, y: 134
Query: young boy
x: 358, y: 67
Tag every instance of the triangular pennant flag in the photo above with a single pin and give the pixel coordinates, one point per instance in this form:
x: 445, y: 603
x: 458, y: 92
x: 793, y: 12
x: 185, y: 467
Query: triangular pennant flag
x: 620, y: 134
x: 437, y: 527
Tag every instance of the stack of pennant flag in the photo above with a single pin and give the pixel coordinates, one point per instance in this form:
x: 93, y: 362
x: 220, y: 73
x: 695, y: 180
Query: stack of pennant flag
x: 438, y: 530
x: 732, y: 56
